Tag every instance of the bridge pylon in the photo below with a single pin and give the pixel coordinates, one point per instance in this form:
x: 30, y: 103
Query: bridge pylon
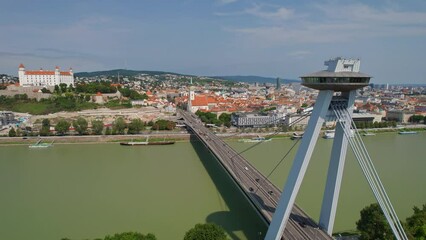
x: 341, y: 76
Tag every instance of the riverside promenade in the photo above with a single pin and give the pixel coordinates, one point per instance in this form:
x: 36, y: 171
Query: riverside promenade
x: 259, y: 191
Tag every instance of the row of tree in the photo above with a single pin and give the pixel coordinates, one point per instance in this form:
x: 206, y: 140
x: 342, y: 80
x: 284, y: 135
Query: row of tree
x: 81, y: 126
x: 207, y: 231
x: 119, y: 126
x: 211, y: 118
x: 362, y: 125
x: 417, y: 119
x: 373, y: 225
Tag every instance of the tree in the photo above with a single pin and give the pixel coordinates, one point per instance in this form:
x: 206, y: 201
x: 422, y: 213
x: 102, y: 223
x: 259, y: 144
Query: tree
x: 108, y: 131
x: 131, y: 236
x: 135, y: 126
x: 207, y: 231
x: 62, y: 127
x: 45, y: 127
x: 119, y: 126
x: 71, y: 88
x: 63, y: 87
x: 57, y: 89
x: 12, y: 132
x: 97, y: 127
x: 416, y: 224
x: 373, y: 224
x: 45, y: 90
x: 80, y: 125
x: 225, y: 118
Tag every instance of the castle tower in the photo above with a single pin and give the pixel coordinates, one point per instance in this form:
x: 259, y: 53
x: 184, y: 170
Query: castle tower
x: 342, y: 75
x: 21, y: 74
x: 190, y: 98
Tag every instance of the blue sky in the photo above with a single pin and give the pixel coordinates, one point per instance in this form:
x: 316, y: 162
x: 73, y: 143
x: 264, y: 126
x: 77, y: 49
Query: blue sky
x: 217, y: 37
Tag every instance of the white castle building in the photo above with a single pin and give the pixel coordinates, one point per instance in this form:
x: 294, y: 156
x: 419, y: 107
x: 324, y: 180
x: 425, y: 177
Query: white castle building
x: 44, y: 77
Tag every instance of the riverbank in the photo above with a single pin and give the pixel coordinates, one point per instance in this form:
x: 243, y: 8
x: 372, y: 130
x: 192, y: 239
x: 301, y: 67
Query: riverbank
x: 94, y: 138
x: 174, y: 136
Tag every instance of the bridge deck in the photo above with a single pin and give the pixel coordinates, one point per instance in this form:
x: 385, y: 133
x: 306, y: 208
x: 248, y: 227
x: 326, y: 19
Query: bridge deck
x: 259, y: 190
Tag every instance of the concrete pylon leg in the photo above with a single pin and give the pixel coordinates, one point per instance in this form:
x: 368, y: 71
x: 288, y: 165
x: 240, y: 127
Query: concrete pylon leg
x: 300, y: 164
x: 335, y: 170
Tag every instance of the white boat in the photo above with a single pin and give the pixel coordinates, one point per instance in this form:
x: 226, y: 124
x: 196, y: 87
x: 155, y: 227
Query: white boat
x: 296, y: 136
x: 256, y: 139
x: 368, y: 134
x: 329, y: 134
x: 39, y: 144
x: 407, y: 132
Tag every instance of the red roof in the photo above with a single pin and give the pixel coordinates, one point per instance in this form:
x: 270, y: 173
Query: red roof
x: 40, y: 72
x: 21, y: 65
x: 199, y: 100
x: 45, y: 72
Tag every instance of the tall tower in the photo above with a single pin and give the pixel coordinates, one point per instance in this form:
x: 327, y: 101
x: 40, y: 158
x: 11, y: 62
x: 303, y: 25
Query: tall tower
x: 278, y: 87
x: 342, y: 75
x: 21, y: 75
x: 191, y: 98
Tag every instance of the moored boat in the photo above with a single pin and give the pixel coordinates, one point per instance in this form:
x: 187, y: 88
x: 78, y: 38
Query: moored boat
x: 296, y: 136
x: 368, y: 134
x: 39, y: 144
x: 256, y: 139
x: 146, y: 143
x: 407, y: 132
x: 329, y: 134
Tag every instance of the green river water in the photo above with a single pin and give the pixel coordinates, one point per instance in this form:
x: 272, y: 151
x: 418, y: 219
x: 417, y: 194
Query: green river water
x: 84, y: 191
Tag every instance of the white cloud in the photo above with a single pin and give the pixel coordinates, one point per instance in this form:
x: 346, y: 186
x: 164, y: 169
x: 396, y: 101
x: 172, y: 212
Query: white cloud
x: 226, y: 1
x: 331, y: 24
x: 280, y: 13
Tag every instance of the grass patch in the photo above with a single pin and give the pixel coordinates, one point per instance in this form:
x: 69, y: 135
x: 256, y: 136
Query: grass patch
x: 34, y: 108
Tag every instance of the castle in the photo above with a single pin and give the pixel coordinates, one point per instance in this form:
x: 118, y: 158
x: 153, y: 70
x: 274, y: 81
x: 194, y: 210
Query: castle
x: 44, y: 77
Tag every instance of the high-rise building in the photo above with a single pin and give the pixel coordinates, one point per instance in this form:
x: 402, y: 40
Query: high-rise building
x: 278, y: 84
x: 44, y: 77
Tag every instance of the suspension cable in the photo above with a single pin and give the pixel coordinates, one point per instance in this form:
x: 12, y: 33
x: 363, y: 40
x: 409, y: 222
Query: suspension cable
x: 369, y: 171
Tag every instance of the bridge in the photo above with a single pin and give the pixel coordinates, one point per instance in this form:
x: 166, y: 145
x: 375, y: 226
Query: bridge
x: 263, y: 195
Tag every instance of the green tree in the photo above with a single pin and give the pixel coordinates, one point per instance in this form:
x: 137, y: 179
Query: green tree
x: 62, y: 127
x: 119, y: 126
x: 108, y: 131
x: 80, y: 125
x: 45, y: 127
x: 97, y: 127
x: 45, y: 90
x: 63, y: 87
x: 163, y: 125
x: 57, y: 89
x: 131, y: 236
x: 71, y: 88
x: 416, y: 118
x: 135, y: 126
x: 416, y: 224
x: 12, y: 132
x: 373, y: 224
x: 207, y: 231
x: 225, y: 118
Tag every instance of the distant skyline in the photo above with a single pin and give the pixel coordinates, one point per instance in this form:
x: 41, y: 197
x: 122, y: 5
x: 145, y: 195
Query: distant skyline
x: 271, y: 38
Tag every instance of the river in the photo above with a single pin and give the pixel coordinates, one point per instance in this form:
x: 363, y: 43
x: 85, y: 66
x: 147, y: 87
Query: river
x: 84, y: 191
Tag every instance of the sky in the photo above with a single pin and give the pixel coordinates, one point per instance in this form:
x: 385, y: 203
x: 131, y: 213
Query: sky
x: 272, y: 38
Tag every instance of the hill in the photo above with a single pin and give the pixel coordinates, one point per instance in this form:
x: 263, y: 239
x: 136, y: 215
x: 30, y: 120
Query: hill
x: 122, y: 72
x: 258, y: 79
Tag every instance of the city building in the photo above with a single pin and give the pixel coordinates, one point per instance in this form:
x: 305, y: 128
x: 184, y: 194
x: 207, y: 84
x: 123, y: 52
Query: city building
x: 44, y: 77
x: 6, y: 118
x: 255, y: 120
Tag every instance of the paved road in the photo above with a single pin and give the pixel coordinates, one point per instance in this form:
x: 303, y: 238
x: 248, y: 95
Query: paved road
x: 259, y: 190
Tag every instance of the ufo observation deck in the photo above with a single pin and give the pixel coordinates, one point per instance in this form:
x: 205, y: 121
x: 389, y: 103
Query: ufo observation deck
x: 337, y: 81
